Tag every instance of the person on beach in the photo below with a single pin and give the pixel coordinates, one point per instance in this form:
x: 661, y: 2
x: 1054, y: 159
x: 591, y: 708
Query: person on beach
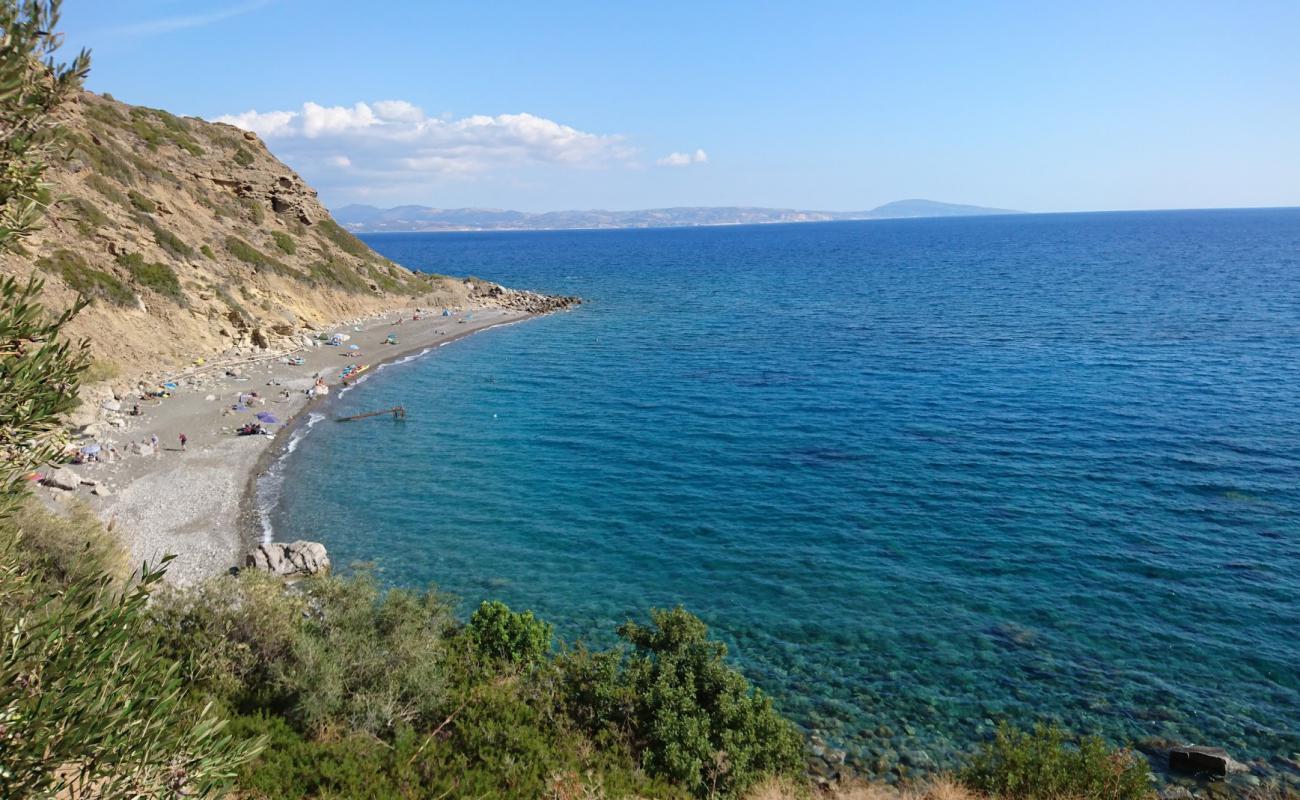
x: 183, y: 441
x: 153, y: 442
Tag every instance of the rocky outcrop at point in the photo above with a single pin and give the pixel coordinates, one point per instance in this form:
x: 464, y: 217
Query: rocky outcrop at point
x: 518, y: 300
x: 294, y: 560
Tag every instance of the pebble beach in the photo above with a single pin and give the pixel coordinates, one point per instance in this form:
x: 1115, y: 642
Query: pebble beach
x: 191, y: 502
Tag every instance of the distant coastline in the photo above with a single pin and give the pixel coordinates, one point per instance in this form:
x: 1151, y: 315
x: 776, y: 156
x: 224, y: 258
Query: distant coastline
x: 424, y: 219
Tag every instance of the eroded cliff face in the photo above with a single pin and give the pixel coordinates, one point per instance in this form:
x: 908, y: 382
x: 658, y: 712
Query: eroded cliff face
x: 192, y: 239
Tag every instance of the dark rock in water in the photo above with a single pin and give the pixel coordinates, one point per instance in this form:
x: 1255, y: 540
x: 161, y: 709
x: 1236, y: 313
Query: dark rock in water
x: 1204, y: 760
x: 293, y: 560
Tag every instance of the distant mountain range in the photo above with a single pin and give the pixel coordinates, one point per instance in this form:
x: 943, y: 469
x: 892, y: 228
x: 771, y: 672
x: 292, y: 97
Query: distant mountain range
x: 368, y: 219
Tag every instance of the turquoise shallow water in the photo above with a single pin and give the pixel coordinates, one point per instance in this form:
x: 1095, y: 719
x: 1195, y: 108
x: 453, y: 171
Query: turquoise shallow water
x: 921, y: 475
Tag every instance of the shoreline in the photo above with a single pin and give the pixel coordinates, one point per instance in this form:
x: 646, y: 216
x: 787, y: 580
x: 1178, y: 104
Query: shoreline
x: 200, y: 502
x: 249, y: 522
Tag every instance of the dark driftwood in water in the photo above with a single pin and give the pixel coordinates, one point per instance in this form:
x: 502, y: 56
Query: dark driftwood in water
x: 397, y: 411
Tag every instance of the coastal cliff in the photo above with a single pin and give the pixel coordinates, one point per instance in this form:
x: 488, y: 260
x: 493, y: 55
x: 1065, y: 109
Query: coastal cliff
x: 191, y: 239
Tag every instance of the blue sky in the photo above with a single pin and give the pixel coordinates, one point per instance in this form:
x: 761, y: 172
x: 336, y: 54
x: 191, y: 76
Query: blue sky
x: 820, y: 105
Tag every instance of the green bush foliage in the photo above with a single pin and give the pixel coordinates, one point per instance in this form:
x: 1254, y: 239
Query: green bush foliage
x: 340, y: 274
x: 207, y: 252
x: 242, y: 157
x: 108, y: 189
x: 70, y: 547
x: 92, y: 283
x: 510, y: 636
x: 695, y: 719
x: 260, y: 261
x: 170, y: 241
x: 256, y: 211
x: 159, y: 277
x: 103, y: 112
x: 39, y: 375
x: 1044, y: 765
x: 105, y: 161
x: 364, y: 692
x: 141, y: 203
x: 88, y: 217
x: 345, y: 241
x: 285, y: 242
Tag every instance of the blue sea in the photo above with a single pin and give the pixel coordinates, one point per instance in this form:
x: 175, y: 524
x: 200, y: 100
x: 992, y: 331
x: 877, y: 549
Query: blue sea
x: 920, y: 475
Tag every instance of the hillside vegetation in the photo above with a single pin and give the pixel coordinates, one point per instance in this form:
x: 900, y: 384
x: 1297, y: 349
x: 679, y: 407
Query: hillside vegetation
x: 190, y: 238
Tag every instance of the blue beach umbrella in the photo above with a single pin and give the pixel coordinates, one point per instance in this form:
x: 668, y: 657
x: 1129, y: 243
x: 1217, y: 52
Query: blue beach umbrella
x: 268, y: 418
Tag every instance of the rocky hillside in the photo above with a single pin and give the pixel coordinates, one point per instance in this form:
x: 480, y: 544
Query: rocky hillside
x: 192, y: 239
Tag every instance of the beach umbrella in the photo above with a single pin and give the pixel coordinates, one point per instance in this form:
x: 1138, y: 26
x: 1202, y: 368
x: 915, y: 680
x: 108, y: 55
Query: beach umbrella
x: 354, y: 347
x: 91, y: 449
x: 268, y: 418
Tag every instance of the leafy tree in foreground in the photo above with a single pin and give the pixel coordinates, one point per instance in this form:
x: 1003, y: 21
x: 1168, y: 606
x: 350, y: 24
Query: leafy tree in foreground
x: 697, y: 721
x: 88, y: 706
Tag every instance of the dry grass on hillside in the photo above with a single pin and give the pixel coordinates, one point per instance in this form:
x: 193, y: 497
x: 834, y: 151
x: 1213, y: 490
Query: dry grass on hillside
x: 938, y: 789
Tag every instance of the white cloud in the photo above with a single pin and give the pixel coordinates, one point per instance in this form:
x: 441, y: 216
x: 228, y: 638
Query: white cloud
x: 683, y: 159
x: 398, y: 111
x: 343, y: 162
x: 396, y: 138
x: 268, y: 125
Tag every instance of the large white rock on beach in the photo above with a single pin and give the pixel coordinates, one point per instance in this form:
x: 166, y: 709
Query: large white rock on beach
x: 295, y: 559
x: 62, y: 478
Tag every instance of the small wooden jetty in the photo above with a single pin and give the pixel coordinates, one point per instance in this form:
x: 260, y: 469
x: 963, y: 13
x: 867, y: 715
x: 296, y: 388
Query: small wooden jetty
x: 398, y: 412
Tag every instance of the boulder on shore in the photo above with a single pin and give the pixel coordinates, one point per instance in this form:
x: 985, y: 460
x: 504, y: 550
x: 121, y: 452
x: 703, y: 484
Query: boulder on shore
x: 293, y: 560
x: 1204, y: 760
x: 62, y: 478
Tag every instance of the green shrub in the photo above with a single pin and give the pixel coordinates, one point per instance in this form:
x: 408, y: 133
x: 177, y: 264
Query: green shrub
x: 141, y: 203
x: 242, y: 157
x: 339, y: 274
x: 510, y: 636
x: 207, y: 251
x: 256, y: 211
x: 693, y: 719
x: 151, y: 135
x: 89, y: 217
x: 285, y: 242
x: 104, y: 160
x: 159, y: 277
x: 104, y: 113
x: 105, y: 187
x: 248, y: 254
x: 362, y: 660
x: 69, y: 547
x: 342, y: 239
x: 176, y: 130
x: 171, y: 242
x: 1043, y: 765
x: 94, y: 284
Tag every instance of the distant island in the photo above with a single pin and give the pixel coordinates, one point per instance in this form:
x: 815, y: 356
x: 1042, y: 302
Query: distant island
x: 369, y: 219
